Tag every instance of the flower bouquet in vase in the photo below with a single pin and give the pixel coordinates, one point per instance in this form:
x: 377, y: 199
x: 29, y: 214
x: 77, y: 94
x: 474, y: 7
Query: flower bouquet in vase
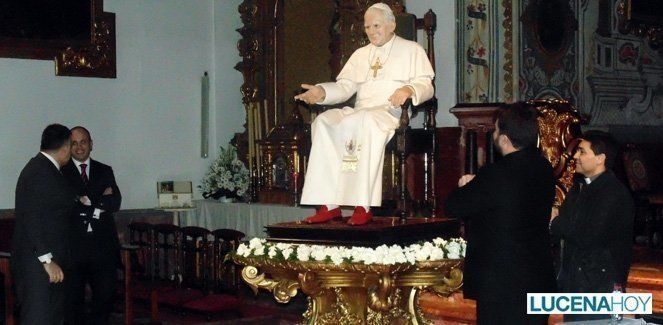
x: 227, y: 179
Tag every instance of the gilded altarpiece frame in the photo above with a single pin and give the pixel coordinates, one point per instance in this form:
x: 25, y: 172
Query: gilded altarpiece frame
x: 93, y: 58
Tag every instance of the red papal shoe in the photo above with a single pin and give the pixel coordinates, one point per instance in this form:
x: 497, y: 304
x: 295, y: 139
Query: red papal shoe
x: 324, y: 215
x: 360, y: 217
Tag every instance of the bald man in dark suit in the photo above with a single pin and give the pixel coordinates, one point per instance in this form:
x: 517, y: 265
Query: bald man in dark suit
x: 41, y: 247
x: 96, y: 246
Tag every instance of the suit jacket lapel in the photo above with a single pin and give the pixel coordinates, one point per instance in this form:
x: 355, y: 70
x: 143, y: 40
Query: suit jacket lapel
x: 72, y: 172
x: 94, y: 175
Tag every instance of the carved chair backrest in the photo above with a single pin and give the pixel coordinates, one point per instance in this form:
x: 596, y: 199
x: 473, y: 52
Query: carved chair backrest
x: 225, y: 276
x: 167, y: 247
x: 141, y: 235
x: 407, y: 27
x: 195, y: 257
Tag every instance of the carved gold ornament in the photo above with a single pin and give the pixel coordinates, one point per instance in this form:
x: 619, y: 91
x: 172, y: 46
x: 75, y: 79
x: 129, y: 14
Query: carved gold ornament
x: 354, y: 293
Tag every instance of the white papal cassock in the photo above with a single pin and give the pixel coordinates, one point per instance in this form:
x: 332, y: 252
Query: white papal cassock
x: 347, y: 152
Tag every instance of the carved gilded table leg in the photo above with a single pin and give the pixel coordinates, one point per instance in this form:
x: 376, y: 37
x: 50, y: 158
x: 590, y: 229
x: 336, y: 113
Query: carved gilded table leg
x: 355, y: 293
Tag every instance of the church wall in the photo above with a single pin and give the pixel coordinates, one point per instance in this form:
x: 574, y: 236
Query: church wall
x: 623, y: 75
x: 145, y: 123
x: 487, y: 51
x: 230, y: 117
x: 445, y: 56
x: 569, y: 49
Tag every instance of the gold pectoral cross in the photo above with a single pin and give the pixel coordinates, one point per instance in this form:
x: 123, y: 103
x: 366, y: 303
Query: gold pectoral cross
x: 375, y: 67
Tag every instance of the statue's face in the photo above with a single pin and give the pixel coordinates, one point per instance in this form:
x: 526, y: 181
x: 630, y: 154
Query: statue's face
x: 377, y: 28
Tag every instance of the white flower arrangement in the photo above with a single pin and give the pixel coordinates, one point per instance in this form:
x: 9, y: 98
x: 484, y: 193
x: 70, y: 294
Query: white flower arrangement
x: 227, y: 176
x: 435, y: 250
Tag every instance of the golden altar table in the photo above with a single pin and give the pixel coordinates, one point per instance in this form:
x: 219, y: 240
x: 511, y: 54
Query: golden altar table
x: 354, y: 293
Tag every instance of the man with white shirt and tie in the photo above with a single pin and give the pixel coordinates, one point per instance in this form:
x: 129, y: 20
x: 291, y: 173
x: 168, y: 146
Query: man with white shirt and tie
x: 96, y: 246
x: 41, y: 244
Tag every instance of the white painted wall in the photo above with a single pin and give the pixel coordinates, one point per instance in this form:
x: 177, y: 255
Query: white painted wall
x: 230, y: 116
x: 145, y: 123
x: 445, y: 54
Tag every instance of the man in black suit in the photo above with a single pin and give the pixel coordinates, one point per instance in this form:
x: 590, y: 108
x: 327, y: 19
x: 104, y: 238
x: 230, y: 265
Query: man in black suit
x: 506, y: 209
x: 41, y: 257
x: 596, y: 224
x: 96, y: 244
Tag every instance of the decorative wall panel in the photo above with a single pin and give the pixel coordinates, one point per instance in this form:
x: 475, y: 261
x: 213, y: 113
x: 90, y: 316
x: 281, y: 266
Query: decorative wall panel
x: 624, y: 73
x: 485, y: 46
x: 548, y: 50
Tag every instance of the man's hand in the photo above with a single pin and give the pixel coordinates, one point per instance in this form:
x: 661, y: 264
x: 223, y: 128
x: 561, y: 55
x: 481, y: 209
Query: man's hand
x: 399, y: 96
x: 54, y: 271
x: 108, y: 191
x: 554, y: 213
x: 85, y: 200
x: 312, y: 95
x: 465, y: 179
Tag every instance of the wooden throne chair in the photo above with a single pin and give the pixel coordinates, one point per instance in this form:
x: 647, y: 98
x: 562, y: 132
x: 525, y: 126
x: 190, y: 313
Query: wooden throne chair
x: 276, y: 142
x: 415, y: 147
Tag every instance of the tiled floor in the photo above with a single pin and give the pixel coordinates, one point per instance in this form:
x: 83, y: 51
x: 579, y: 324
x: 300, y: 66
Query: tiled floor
x: 261, y: 309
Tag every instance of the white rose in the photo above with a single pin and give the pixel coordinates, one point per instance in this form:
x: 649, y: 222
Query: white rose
x: 272, y: 252
x: 303, y: 253
x: 259, y: 251
x: 255, y: 242
x: 286, y: 253
x: 282, y: 246
x: 453, y: 250
x: 318, y: 254
x: 369, y: 259
x: 423, y: 253
x: 439, y: 241
x: 242, y: 249
x: 410, y: 257
x: 436, y: 254
x: 357, y: 254
x: 336, y: 259
x: 414, y: 247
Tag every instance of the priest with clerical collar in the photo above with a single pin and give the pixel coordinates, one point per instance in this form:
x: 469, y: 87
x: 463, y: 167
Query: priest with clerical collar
x: 347, y: 153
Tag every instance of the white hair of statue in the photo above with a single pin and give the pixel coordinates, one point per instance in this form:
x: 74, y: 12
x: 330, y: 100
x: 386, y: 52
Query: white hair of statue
x: 385, y: 9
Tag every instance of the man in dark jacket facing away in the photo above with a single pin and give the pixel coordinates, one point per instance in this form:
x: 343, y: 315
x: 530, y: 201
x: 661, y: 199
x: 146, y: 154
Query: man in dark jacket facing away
x: 41, y: 247
x: 96, y: 246
x: 595, y: 223
x: 506, y: 209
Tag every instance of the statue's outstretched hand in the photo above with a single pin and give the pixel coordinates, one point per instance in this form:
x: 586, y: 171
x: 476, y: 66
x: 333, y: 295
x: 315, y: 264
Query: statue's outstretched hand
x: 313, y: 94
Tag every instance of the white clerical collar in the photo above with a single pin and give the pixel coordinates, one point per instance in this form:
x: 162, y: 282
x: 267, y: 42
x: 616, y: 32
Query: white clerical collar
x: 589, y: 180
x: 55, y: 162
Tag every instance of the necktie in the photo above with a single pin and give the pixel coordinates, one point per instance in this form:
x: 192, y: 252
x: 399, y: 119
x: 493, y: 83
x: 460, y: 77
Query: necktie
x: 84, y: 173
